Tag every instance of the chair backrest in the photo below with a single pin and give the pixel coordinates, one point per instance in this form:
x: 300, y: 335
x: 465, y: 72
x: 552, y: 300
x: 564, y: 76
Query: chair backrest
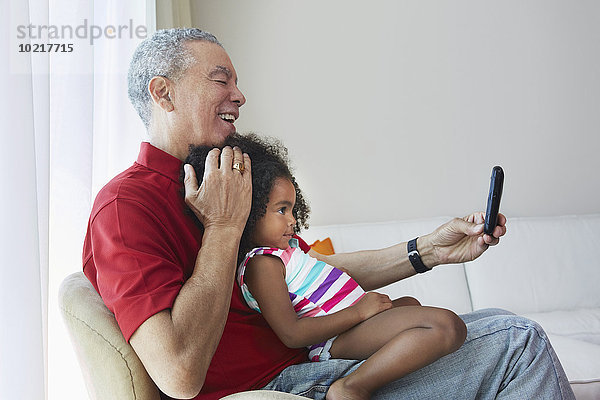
x: 110, y: 367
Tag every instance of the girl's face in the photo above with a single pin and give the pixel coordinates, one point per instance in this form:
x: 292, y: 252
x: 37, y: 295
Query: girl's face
x: 276, y: 227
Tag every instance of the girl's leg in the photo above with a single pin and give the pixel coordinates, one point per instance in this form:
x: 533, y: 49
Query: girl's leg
x: 394, y: 343
x: 405, y: 301
x: 504, y: 357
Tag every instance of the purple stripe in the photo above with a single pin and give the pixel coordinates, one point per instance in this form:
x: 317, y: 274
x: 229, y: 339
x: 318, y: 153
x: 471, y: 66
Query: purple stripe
x: 324, y: 287
x: 316, y: 346
x: 292, y: 296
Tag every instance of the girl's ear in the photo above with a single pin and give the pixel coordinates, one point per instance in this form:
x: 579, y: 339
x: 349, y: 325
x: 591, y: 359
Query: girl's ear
x: 159, y: 88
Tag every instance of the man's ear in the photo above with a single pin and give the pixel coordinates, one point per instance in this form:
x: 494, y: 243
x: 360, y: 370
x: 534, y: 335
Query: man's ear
x: 159, y: 91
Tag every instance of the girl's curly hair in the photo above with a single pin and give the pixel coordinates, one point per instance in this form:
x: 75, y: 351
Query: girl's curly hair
x: 269, y: 161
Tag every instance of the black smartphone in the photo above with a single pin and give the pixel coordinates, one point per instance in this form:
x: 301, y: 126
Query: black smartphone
x: 493, y: 203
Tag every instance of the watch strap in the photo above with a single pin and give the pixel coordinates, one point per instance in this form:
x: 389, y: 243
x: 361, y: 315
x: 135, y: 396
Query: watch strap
x: 415, y: 257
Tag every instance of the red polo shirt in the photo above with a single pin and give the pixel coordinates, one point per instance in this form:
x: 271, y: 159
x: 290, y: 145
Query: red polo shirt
x: 140, y: 248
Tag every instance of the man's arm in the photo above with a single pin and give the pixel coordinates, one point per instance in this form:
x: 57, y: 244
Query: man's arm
x: 457, y: 241
x: 177, y: 345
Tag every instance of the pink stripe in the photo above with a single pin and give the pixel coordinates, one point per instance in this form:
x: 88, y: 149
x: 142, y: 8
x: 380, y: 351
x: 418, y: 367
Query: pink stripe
x: 287, y: 254
x: 344, y: 291
x: 269, y: 251
x: 356, y: 301
x: 301, y: 305
x: 312, y: 312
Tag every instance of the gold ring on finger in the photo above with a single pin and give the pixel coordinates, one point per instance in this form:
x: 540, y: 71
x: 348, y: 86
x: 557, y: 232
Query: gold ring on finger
x: 238, y: 166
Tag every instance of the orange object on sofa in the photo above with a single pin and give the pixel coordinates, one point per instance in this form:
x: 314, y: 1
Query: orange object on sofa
x: 324, y: 247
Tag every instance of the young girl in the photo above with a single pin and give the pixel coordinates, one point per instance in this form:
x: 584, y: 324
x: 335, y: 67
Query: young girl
x: 288, y: 286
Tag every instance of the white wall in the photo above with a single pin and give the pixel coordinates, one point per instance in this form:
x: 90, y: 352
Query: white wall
x: 399, y: 109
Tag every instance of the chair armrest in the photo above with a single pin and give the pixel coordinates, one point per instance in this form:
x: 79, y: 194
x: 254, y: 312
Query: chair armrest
x: 110, y: 367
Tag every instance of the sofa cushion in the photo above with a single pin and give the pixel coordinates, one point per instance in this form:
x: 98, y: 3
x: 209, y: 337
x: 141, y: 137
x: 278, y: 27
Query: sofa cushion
x: 453, y: 293
x: 582, y: 324
x: 580, y: 362
x: 542, y: 264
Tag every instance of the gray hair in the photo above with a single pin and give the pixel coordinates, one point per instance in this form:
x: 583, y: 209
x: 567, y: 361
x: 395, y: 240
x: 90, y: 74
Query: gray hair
x: 162, y: 54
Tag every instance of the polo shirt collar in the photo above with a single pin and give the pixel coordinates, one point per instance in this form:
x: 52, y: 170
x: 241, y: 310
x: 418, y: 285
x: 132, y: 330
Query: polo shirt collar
x: 159, y: 161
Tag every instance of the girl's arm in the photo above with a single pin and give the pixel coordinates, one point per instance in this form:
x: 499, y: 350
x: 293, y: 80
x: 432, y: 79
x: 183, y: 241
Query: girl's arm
x: 265, y: 277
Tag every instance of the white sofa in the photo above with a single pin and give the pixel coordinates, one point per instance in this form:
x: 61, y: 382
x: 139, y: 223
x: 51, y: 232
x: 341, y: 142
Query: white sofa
x: 546, y: 269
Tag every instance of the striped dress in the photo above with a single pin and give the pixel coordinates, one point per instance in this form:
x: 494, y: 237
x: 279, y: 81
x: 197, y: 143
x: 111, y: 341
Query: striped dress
x: 315, y: 288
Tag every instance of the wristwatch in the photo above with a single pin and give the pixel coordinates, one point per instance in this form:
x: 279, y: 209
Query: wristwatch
x: 415, y: 257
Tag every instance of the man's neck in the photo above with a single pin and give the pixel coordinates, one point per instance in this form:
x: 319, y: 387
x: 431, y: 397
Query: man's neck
x: 159, y: 137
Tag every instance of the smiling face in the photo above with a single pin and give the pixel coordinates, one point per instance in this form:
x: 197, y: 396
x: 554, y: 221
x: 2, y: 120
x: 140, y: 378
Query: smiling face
x: 205, y: 100
x: 276, y: 227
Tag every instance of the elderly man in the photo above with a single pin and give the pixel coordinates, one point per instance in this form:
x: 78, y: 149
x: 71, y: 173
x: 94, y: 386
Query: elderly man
x: 171, y: 284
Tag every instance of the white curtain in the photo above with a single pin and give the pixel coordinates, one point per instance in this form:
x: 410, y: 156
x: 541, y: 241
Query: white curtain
x: 67, y: 127
x: 23, y: 245
x: 173, y: 13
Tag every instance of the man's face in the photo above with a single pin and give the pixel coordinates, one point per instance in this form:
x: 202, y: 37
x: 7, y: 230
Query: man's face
x: 206, y: 98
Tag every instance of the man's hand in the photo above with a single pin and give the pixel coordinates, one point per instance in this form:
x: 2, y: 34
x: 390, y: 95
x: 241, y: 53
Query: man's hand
x: 460, y: 240
x: 225, y: 195
x: 372, y: 303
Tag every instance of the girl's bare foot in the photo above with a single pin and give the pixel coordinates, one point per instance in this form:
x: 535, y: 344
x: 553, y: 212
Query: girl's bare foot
x: 342, y: 390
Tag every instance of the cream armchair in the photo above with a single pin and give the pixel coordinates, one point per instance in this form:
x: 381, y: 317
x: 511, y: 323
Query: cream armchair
x: 110, y: 367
